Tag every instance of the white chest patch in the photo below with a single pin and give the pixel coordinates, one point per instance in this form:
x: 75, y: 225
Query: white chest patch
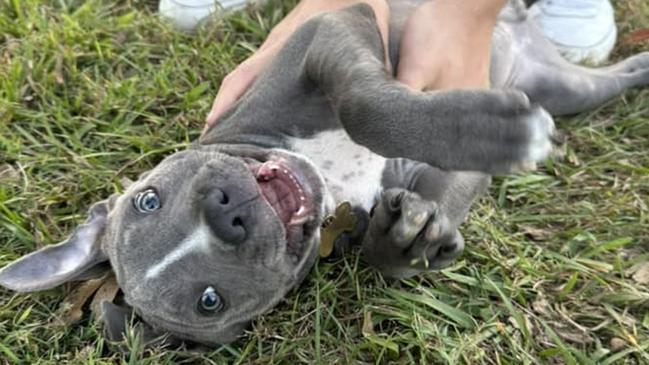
x: 351, y: 171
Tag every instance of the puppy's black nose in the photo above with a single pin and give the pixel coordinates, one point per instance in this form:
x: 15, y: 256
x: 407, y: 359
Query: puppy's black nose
x: 224, y: 213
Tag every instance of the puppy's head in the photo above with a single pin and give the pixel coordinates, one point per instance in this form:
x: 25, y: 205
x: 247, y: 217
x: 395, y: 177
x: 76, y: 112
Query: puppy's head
x: 200, y: 245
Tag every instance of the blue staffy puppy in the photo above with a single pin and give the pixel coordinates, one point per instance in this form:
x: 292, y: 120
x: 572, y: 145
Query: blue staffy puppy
x: 216, y: 235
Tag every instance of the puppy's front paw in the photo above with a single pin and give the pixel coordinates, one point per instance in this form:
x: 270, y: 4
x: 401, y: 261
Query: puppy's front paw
x: 408, y: 234
x: 504, y: 134
x: 530, y: 136
x: 542, y: 141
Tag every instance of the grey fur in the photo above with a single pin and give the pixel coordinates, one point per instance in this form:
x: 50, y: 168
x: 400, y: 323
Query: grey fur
x: 330, y: 76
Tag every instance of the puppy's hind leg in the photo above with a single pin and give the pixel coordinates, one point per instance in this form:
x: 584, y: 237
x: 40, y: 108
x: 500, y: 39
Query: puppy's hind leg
x: 569, y: 89
x: 524, y: 59
x: 633, y: 71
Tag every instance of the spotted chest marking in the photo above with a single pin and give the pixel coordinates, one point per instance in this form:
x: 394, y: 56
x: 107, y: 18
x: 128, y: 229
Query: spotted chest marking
x: 351, y: 171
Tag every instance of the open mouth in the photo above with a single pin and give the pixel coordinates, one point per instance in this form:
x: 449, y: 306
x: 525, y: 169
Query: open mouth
x: 290, y: 198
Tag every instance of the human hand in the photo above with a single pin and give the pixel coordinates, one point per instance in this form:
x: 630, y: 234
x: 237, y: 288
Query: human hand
x: 238, y: 81
x: 457, y: 57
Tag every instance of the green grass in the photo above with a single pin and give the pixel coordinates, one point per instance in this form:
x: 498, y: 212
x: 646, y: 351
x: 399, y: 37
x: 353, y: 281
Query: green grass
x: 92, y: 92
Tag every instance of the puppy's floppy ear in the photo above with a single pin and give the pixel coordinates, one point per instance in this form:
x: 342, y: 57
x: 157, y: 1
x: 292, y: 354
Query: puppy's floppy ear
x: 56, y: 264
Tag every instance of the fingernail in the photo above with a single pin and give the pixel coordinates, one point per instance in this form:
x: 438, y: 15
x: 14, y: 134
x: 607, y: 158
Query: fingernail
x: 207, y: 126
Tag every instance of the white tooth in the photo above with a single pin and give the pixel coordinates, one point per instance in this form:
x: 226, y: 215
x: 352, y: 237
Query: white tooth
x: 285, y: 171
x: 302, y: 198
x: 299, y: 220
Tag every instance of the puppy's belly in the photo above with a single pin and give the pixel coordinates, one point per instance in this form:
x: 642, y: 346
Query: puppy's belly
x: 351, y: 171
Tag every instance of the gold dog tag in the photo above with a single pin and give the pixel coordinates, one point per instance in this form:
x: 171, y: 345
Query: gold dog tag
x: 342, y: 221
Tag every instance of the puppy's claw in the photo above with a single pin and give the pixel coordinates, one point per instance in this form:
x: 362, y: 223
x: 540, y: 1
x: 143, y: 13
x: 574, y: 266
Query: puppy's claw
x: 433, y: 232
x: 414, y: 216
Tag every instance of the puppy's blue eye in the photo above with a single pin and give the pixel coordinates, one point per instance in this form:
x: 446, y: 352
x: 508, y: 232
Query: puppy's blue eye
x: 146, y: 201
x: 210, y: 301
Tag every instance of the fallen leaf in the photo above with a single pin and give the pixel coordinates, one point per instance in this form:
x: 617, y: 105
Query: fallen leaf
x: 8, y: 173
x: 639, y: 273
x: 542, y: 307
x: 536, y: 234
x: 58, y: 71
x: 617, y: 344
x: 370, y: 335
x: 637, y: 37
x: 570, y: 335
x: 527, y: 322
x: 71, y: 310
x: 573, y: 159
x: 368, y: 326
x: 107, y: 292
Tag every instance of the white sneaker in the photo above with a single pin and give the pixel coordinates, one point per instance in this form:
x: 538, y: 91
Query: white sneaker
x: 582, y: 30
x: 188, y: 14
